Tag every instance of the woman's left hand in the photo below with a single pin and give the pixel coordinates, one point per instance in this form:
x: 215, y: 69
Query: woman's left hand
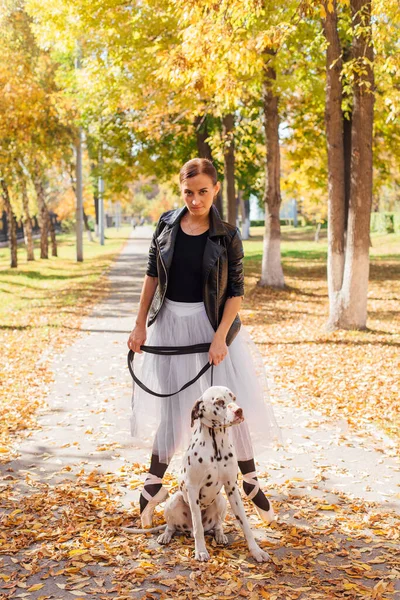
x: 218, y: 350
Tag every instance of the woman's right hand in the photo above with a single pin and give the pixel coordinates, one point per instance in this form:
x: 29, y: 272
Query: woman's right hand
x: 137, y: 338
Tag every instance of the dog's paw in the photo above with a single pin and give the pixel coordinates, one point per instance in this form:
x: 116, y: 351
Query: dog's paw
x: 221, y: 538
x: 165, y: 537
x: 202, y: 555
x: 260, y: 555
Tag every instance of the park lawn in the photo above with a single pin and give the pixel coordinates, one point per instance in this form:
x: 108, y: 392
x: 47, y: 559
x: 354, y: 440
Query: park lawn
x: 41, y: 306
x: 352, y: 376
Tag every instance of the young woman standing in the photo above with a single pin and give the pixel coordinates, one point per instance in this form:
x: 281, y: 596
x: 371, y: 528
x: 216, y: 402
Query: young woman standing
x: 192, y: 294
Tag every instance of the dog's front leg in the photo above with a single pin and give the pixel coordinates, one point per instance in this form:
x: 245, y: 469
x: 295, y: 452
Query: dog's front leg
x: 198, y: 530
x: 236, y: 503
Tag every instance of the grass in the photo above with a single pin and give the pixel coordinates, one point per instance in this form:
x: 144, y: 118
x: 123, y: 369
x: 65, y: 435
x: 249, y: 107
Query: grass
x: 56, y: 281
x: 299, y: 243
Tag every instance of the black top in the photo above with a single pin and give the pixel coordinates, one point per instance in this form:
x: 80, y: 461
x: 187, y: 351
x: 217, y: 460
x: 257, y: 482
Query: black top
x: 186, y: 273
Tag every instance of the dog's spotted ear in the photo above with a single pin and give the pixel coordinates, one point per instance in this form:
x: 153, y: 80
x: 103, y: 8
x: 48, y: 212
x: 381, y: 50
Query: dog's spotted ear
x: 196, y: 411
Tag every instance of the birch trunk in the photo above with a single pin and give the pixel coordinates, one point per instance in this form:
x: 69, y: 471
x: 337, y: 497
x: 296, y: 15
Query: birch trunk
x: 11, y: 226
x: 336, y: 159
x: 27, y: 221
x: 229, y: 166
x: 271, y: 269
x: 351, y: 312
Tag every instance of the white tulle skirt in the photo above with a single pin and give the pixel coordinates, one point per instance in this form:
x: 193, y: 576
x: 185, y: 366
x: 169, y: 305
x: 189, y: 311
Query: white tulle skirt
x: 163, y: 424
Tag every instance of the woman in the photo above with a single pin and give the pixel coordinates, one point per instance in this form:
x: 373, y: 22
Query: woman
x: 192, y: 293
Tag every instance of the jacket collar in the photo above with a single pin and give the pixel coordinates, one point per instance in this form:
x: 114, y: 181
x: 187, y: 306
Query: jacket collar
x: 217, y: 226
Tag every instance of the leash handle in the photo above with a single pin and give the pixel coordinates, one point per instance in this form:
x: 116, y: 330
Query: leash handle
x: 170, y: 351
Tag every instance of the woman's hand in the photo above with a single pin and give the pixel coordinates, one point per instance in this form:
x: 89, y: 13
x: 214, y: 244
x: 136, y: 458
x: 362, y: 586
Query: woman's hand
x: 137, y: 338
x: 218, y: 349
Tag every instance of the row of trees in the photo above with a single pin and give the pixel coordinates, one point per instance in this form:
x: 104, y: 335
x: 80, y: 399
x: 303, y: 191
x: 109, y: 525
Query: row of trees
x: 40, y: 118
x: 30, y: 131
x: 242, y: 83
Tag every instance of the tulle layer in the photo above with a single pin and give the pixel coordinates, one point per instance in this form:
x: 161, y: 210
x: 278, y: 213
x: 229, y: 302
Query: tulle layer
x: 163, y: 424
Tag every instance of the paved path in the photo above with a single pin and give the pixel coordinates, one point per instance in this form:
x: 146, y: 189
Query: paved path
x: 89, y: 409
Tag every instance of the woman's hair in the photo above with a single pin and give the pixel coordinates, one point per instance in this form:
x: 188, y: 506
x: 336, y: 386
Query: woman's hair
x: 196, y: 166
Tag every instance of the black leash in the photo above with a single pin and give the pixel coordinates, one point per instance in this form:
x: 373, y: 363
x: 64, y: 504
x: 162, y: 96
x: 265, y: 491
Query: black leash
x: 171, y: 351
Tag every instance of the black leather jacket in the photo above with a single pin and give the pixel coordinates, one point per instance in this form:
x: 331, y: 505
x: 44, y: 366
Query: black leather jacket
x: 222, y: 265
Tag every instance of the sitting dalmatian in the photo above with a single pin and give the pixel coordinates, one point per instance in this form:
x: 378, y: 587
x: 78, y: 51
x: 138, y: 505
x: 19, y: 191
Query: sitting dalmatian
x: 209, y: 464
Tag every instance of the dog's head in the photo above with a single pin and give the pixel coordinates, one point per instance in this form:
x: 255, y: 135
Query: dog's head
x: 217, y: 405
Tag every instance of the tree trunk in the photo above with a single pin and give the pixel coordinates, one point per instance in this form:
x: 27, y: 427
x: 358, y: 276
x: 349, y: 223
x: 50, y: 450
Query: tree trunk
x: 27, y: 221
x: 204, y: 151
x: 317, y: 232
x: 43, y: 215
x: 12, y: 227
x: 95, y: 196
x: 86, y: 222
x: 96, y: 208
x: 352, y: 310
x: 218, y: 201
x: 228, y: 125
x: 336, y: 162
x: 52, y: 235
x: 203, y: 147
x: 347, y: 124
x: 271, y: 270
x: 245, y: 212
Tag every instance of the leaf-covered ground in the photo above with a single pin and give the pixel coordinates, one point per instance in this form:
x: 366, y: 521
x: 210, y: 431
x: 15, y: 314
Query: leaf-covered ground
x: 70, y: 534
x: 60, y: 518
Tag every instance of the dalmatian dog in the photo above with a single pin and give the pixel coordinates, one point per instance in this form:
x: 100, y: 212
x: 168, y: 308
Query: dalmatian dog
x: 209, y: 463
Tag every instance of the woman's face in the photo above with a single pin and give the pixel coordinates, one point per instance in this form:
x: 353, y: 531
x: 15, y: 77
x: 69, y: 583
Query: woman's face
x: 198, y: 193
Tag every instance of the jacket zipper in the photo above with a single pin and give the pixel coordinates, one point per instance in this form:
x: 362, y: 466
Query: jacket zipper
x: 217, y: 302
x: 166, y: 276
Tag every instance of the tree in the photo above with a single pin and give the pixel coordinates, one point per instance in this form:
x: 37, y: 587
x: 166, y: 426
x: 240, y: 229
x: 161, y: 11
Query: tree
x: 229, y: 162
x: 23, y: 180
x: 348, y: 256
x: 336, y: 155
x: 12, y: 228
x: 33, y: 135
x: 271, y: 270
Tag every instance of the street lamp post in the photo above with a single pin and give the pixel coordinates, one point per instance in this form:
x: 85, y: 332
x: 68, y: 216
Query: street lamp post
x: 101, y: 209
x: 79, y: 180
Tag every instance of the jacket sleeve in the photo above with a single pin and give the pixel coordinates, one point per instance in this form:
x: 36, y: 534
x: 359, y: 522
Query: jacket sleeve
x: 235, y: 266
x: 152, y: 261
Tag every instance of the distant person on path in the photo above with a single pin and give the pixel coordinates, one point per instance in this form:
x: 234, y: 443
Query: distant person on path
x: 192, y: 293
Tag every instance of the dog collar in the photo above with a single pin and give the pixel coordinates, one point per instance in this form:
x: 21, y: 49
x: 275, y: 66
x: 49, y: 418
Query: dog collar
x: 211, y: 425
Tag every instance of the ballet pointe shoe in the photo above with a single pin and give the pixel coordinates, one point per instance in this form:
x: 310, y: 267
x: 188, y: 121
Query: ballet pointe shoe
x: 265, y: 515
x: 146, y: 516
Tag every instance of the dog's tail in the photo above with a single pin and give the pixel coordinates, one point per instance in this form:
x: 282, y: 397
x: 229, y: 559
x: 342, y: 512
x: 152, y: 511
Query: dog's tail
x: 150, y: 530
